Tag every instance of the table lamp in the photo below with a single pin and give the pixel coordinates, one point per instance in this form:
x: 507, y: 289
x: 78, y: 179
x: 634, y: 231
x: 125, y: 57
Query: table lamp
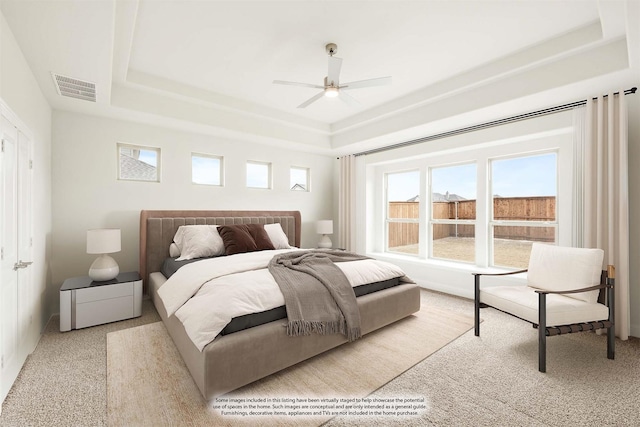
x: 324, y: 227
x: 103, y: 241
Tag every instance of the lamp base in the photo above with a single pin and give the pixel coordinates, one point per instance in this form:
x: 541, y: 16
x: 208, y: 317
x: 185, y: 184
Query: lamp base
x: 325, y: 242
x: 103, y: 268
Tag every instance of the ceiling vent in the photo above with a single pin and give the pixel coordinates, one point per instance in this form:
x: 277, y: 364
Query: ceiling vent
x: 74, y: 88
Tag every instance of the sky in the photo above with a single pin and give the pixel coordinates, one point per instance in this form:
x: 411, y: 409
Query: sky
x: 149, y: 156
x: 511, y: 177
x: 205, y: 170
x: 258, y: 175
x: 298, y: 176
x: 522, y: 176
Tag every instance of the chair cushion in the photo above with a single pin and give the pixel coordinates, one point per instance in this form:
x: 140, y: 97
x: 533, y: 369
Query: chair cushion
x: 558, y: 268
x: 522, y: 301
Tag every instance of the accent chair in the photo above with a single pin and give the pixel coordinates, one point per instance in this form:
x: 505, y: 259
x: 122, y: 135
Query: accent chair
x: 566, y: 292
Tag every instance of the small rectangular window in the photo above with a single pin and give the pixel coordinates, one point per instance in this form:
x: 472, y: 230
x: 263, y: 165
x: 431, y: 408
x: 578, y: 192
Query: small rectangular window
x: 138, y: 163
x: 258, y: 174
x: 206, y: 169
x: 299, y: 179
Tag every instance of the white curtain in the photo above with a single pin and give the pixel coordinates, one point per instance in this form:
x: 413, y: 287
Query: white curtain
x: 579, y: 136
x: 347, y: 203
x: 605, y: 213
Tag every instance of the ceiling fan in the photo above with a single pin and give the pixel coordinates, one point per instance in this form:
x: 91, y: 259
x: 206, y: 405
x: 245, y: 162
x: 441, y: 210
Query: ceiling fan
x: 332, y: 87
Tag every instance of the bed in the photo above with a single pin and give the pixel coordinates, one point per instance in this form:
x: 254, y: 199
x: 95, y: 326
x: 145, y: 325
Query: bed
x: 237, y: 358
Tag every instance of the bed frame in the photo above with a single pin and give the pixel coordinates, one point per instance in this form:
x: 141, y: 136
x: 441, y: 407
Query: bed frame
x: 233, y: 360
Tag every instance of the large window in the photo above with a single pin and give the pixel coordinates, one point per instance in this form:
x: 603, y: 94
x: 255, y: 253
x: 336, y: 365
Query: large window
x: 485, y: 205
x: 524, y: 191
x: 403, y: 211
x: 453, y: 212
x: 206, y: 169
x: 138, y: 163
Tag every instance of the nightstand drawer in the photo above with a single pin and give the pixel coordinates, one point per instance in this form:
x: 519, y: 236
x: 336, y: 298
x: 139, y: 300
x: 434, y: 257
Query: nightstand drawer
x: 104, y: 311
x: 84, y: 302
x: 103, y: 292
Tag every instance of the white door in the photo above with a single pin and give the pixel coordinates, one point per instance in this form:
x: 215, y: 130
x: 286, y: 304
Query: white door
x: 15, y: 253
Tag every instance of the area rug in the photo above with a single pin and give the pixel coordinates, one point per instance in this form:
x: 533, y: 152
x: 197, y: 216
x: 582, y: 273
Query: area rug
x: 149, y: 384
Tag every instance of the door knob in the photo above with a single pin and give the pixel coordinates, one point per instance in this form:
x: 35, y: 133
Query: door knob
x: 22, y: 264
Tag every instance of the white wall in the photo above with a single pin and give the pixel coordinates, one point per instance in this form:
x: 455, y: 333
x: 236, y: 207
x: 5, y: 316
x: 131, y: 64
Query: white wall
x: 86, y: 193
x: 20, y: 91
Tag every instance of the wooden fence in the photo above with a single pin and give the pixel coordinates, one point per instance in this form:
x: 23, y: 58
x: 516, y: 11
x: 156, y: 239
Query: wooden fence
x: 504, y: 208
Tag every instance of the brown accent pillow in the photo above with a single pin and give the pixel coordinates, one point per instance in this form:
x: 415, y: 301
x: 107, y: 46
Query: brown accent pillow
x: 242, y: 238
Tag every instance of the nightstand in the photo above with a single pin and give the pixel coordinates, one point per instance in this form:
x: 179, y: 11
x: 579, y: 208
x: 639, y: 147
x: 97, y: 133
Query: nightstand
x: 85, y: 303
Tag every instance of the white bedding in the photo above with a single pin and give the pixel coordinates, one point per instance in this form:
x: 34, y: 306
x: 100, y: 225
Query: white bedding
x: 206, y: 295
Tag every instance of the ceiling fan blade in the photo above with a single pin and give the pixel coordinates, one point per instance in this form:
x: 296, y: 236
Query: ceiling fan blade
x: 349, y: 100
x: 334, y: 70
x: 380, y: 81
x: 282, y: 82
x: 311, y: 100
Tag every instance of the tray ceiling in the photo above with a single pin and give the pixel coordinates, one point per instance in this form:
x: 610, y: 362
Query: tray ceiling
x: 212, y: 63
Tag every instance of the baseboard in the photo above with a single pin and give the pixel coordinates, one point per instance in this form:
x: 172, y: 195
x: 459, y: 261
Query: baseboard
x: 634, y: 331
x: 446, y: 289
x: 44, y: 328
x: 50, y: 317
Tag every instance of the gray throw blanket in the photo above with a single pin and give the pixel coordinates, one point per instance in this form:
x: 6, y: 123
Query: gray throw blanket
x: 317, y: 294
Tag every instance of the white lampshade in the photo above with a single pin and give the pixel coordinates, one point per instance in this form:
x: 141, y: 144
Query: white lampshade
x: 324, y: 226
x: 103, y: 241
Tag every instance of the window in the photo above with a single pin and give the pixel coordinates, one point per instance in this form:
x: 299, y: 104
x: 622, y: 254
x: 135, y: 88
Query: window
x: 524, y: 209
x: 403, y: 211
x: 206, y: 169
x: 299, y: 179
x: 258, y: 175
x: 137, y: 163
x: 484, y: 205
x: 453, y: 212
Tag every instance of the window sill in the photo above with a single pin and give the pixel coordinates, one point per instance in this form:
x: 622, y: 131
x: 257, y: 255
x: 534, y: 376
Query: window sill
x: 446, y: 276
x: 471, y: 268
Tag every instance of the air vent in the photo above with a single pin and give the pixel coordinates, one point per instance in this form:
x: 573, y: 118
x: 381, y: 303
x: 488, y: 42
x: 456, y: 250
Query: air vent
x: 74, y: 88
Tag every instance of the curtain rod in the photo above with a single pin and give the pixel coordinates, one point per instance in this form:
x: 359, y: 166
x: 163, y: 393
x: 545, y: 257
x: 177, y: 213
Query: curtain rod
x: 486, y: 125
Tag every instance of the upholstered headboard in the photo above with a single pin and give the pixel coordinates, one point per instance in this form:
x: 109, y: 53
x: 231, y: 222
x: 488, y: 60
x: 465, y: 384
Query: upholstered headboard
x: 157, y: 229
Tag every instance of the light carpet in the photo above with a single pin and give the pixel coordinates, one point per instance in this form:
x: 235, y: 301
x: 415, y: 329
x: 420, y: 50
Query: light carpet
x: 149, y: 384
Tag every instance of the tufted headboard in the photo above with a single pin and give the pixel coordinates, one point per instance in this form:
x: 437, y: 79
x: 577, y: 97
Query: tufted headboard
x: 157, y: 229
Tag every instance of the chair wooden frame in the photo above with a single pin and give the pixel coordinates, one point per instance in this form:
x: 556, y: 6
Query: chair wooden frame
x: 607, y: 283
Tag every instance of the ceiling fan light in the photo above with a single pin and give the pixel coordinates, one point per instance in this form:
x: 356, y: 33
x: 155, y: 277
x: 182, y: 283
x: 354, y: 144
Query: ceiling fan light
x: 331, y: 92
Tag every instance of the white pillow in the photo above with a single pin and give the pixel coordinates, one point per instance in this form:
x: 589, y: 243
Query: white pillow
x: 174, y: 250
x: 198, y: 241
x: 279, y: 240
x: 557, y: 268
